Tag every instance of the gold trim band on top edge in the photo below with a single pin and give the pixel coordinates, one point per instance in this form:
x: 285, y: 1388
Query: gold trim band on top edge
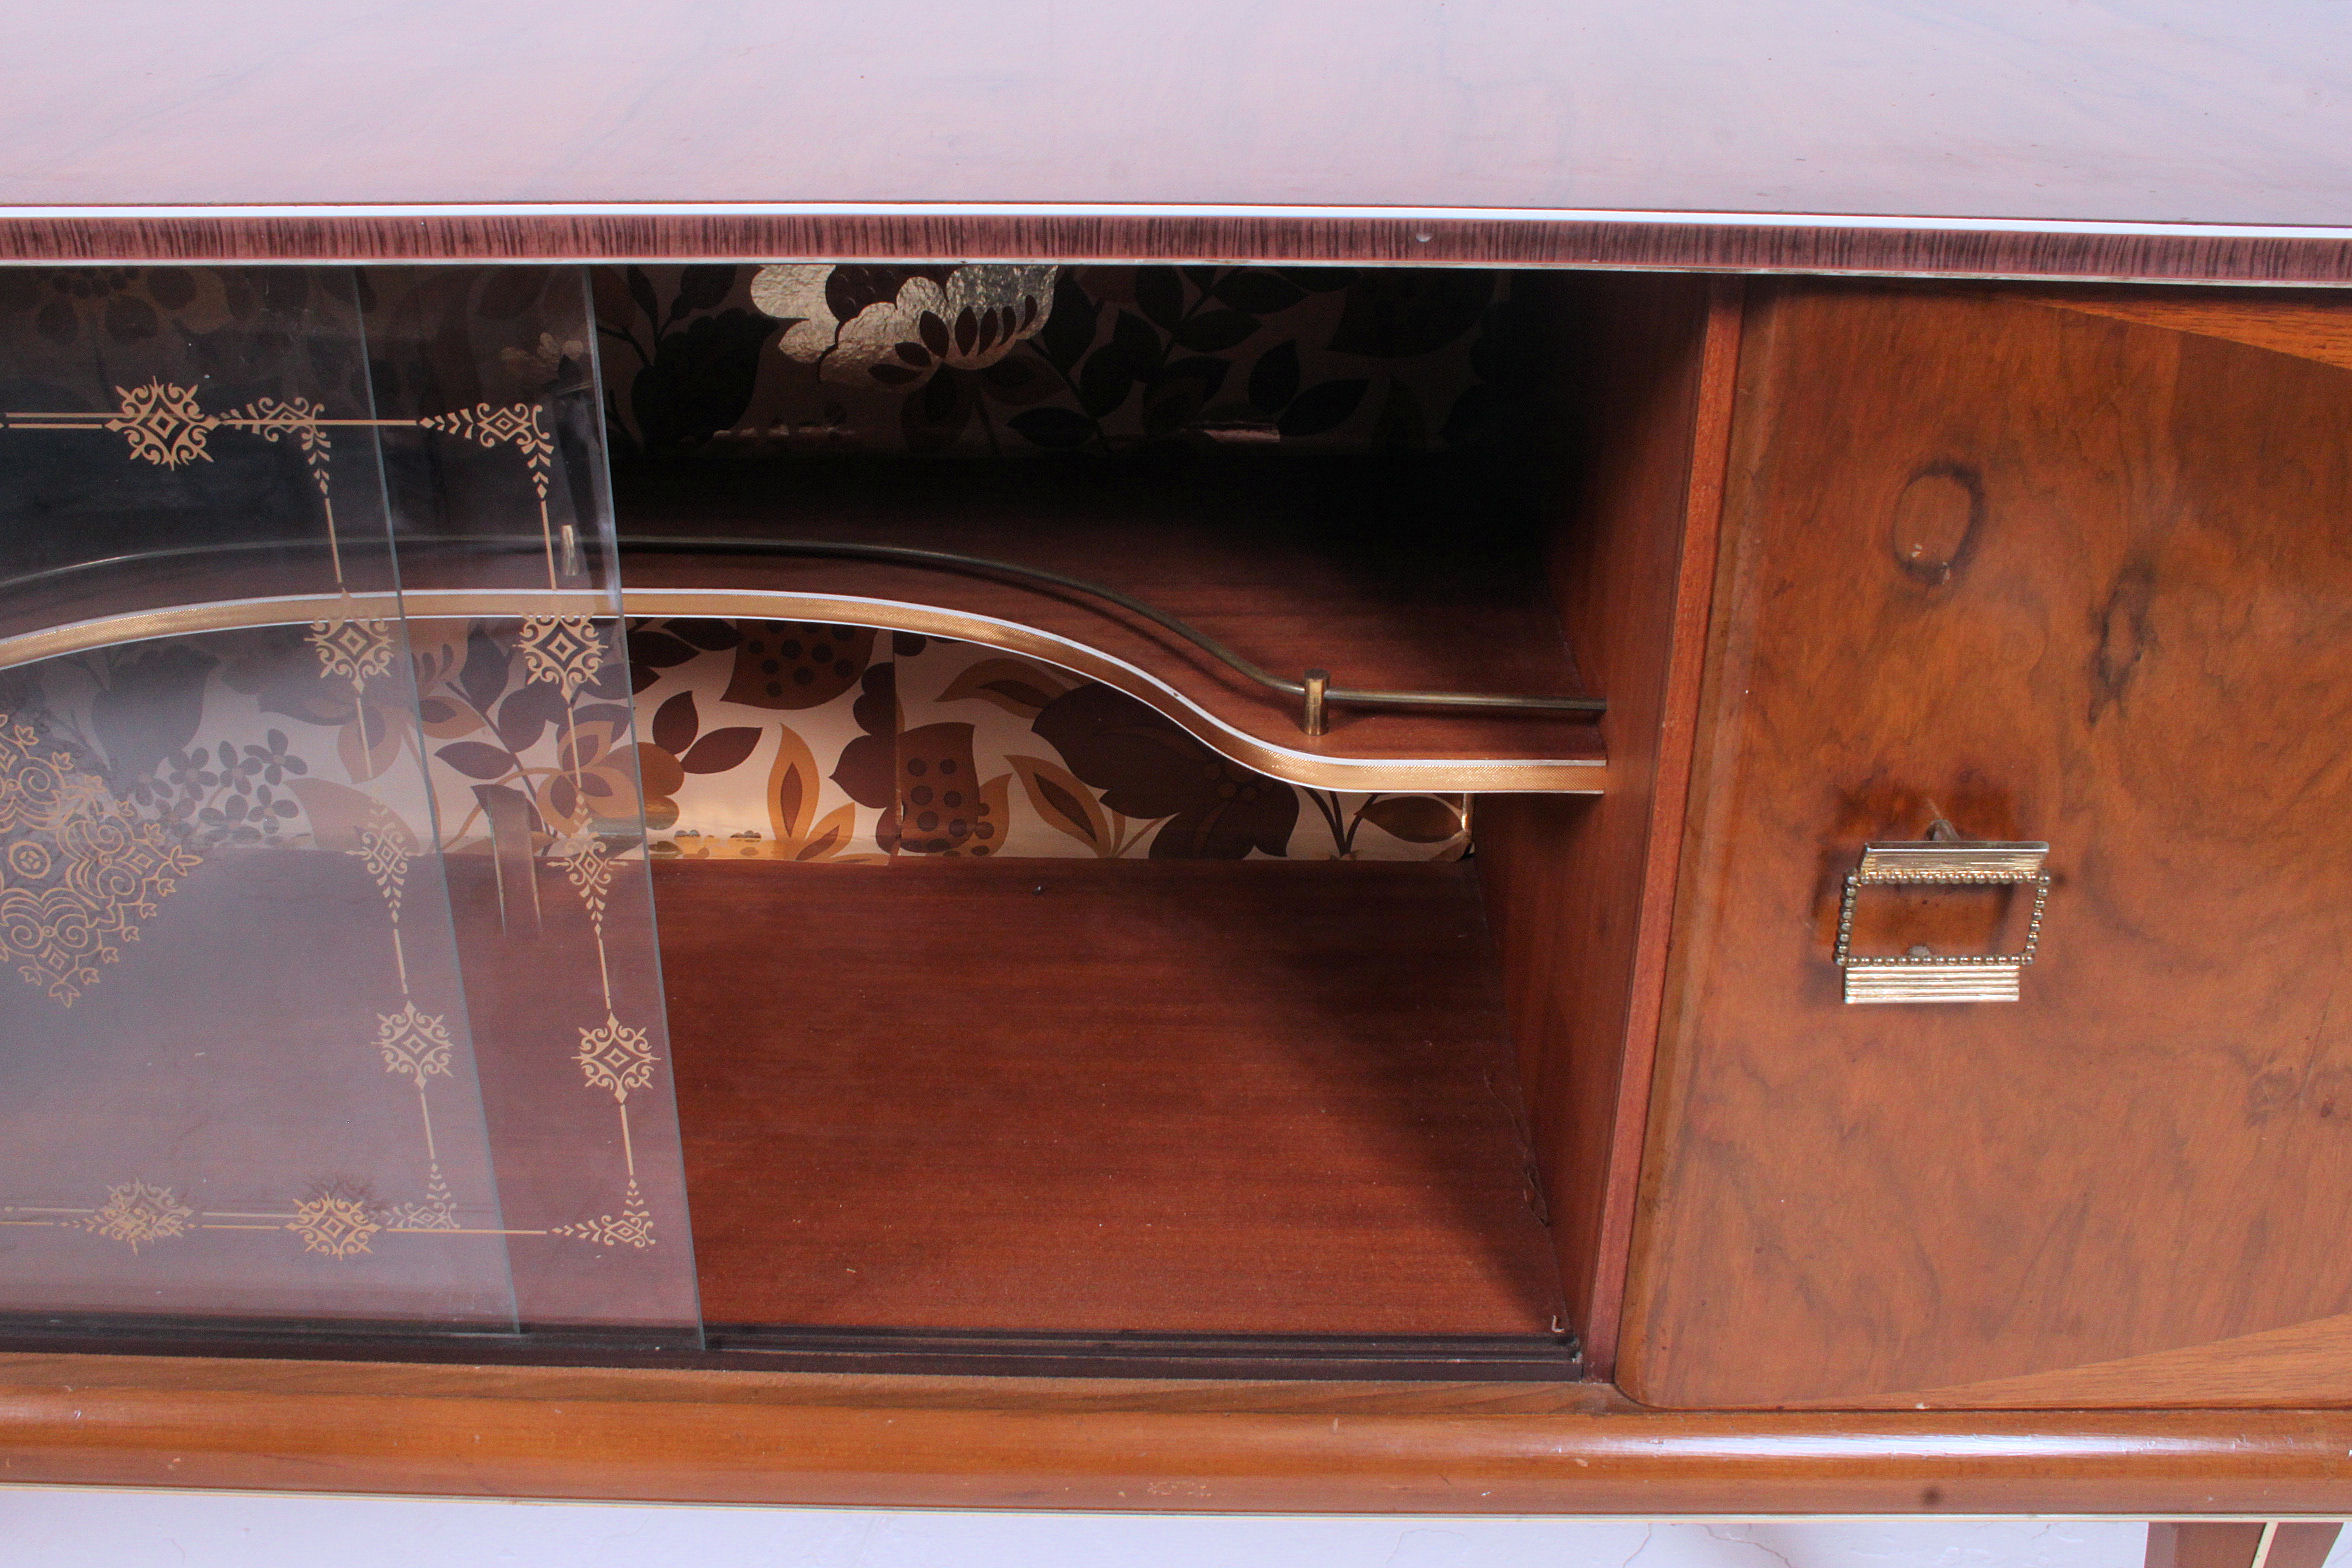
x: 1568, y: 776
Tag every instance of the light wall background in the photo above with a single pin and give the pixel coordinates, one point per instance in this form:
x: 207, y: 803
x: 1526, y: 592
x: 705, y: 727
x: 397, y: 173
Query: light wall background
x: 77, y: 1528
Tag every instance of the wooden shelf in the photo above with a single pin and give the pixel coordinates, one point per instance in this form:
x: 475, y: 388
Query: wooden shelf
x: 1265, y: 1098
x: 1417, y: 575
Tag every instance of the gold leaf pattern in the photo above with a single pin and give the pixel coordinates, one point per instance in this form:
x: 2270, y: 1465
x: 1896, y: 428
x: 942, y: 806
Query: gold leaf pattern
x: 163, y: 423
x: 632, y: 1227
x: 335, y: 1224
x: 81, y: 872
x: 615, y: 1057
x: 138, y: 1215
x: 564, y: 649
x: 414, y: 1045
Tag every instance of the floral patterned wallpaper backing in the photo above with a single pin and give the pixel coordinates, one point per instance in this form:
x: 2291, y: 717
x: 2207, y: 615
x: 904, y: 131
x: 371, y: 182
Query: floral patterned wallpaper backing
x: 772, y: 740
x: 981, y: 360
x: 811, y: 742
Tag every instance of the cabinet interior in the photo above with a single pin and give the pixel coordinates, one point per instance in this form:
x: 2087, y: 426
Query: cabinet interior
x: 1196, y: 1099
x: 1204, y: 1028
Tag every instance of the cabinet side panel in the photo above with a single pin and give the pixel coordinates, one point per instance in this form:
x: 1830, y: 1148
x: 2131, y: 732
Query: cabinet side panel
x: 2051, y: 575
x: 1580, y: 889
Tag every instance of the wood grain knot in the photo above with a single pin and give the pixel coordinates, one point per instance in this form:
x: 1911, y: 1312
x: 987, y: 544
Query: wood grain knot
x: 1935, y: 523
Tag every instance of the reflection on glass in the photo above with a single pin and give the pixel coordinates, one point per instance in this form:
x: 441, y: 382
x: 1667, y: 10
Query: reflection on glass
x: 339, y: 999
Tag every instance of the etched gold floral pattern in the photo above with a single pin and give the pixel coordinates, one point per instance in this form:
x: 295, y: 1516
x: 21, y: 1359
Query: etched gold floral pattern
x: 353, y: 649
x: 336, y: 1224
x: 138, y: 1215
x: 415, y: 1045
x: 79, y: 869
x: 615, y: 1057
x: 79, y: 872
x: 298, y: 417
x: 562, y: 649
x: 632, y: 1227
x: 163, y: 424
x: 517, y: 424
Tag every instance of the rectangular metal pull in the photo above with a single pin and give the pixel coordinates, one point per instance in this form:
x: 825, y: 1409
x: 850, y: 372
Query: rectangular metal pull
x: 1921, y: 976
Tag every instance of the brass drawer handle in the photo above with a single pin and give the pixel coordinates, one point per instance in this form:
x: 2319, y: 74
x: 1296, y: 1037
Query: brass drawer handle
x: 1941, y: 858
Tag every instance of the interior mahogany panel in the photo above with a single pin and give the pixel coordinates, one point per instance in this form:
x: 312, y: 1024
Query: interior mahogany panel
x: 1419, y: 574
x: 1263, y: 1098
x: 1580, y: 890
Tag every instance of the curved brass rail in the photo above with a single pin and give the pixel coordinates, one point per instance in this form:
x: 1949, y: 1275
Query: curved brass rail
x: 1313, y: 689
x: 1571, y: 774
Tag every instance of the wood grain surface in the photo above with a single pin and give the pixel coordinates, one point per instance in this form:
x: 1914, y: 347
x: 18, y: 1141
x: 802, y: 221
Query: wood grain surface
x: 1581, y: 891
x: 2314, y: 1359
x: 1100, y: 1097
x: 2053, y: 576
x: 691, y: 1436
x: 2305, y: 324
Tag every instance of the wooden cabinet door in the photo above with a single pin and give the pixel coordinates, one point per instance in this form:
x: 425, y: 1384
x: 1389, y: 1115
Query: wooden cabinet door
x: 2066, y: 568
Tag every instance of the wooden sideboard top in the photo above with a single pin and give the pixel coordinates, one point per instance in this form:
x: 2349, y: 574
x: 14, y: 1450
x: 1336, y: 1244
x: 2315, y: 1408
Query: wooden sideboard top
x: 1847, y: 135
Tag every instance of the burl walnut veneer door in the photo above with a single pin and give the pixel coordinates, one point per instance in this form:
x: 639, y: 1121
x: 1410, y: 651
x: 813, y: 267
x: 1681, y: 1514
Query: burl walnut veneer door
x: 329, y: 1000
x: 2074, y: 569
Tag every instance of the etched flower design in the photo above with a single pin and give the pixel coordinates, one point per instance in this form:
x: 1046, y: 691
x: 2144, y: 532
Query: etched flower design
x: 163, y: 423
x: 896, y: 327
x: 335, y: 1223
x: 353, y: 649
x: 632, y: 1227
x: 138, y: 1215
x: 615, y: 1057
x: 414, y: 1045
x: 564, y: 649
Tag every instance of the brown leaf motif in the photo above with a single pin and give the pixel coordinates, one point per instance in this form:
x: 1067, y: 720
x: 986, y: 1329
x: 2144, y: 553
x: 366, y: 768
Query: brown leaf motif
x: 1145, y: 765
x: 1417, y: 819
x: 596, y: 777
x: 721, y: 750
x: 938, y: 807
x: 793, y: 665
x: 1022, y: 687
x: 868, y: 769
x: 1064, y: 803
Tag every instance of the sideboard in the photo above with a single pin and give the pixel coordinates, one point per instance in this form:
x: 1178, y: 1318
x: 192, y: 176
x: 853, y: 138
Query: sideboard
x: 1542, y: 851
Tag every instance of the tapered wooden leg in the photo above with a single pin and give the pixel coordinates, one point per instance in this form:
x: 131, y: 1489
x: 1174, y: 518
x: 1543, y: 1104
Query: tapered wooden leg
x: 2300, y: 1545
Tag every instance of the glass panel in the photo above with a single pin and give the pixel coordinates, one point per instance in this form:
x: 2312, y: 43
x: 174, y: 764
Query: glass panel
x: 493, y: 451
x: 320, y: 819
x: 236, y: 1070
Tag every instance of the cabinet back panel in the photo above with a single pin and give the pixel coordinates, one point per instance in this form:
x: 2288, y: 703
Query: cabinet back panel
x: 1084, y: 1096
x: 2052, y: 575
